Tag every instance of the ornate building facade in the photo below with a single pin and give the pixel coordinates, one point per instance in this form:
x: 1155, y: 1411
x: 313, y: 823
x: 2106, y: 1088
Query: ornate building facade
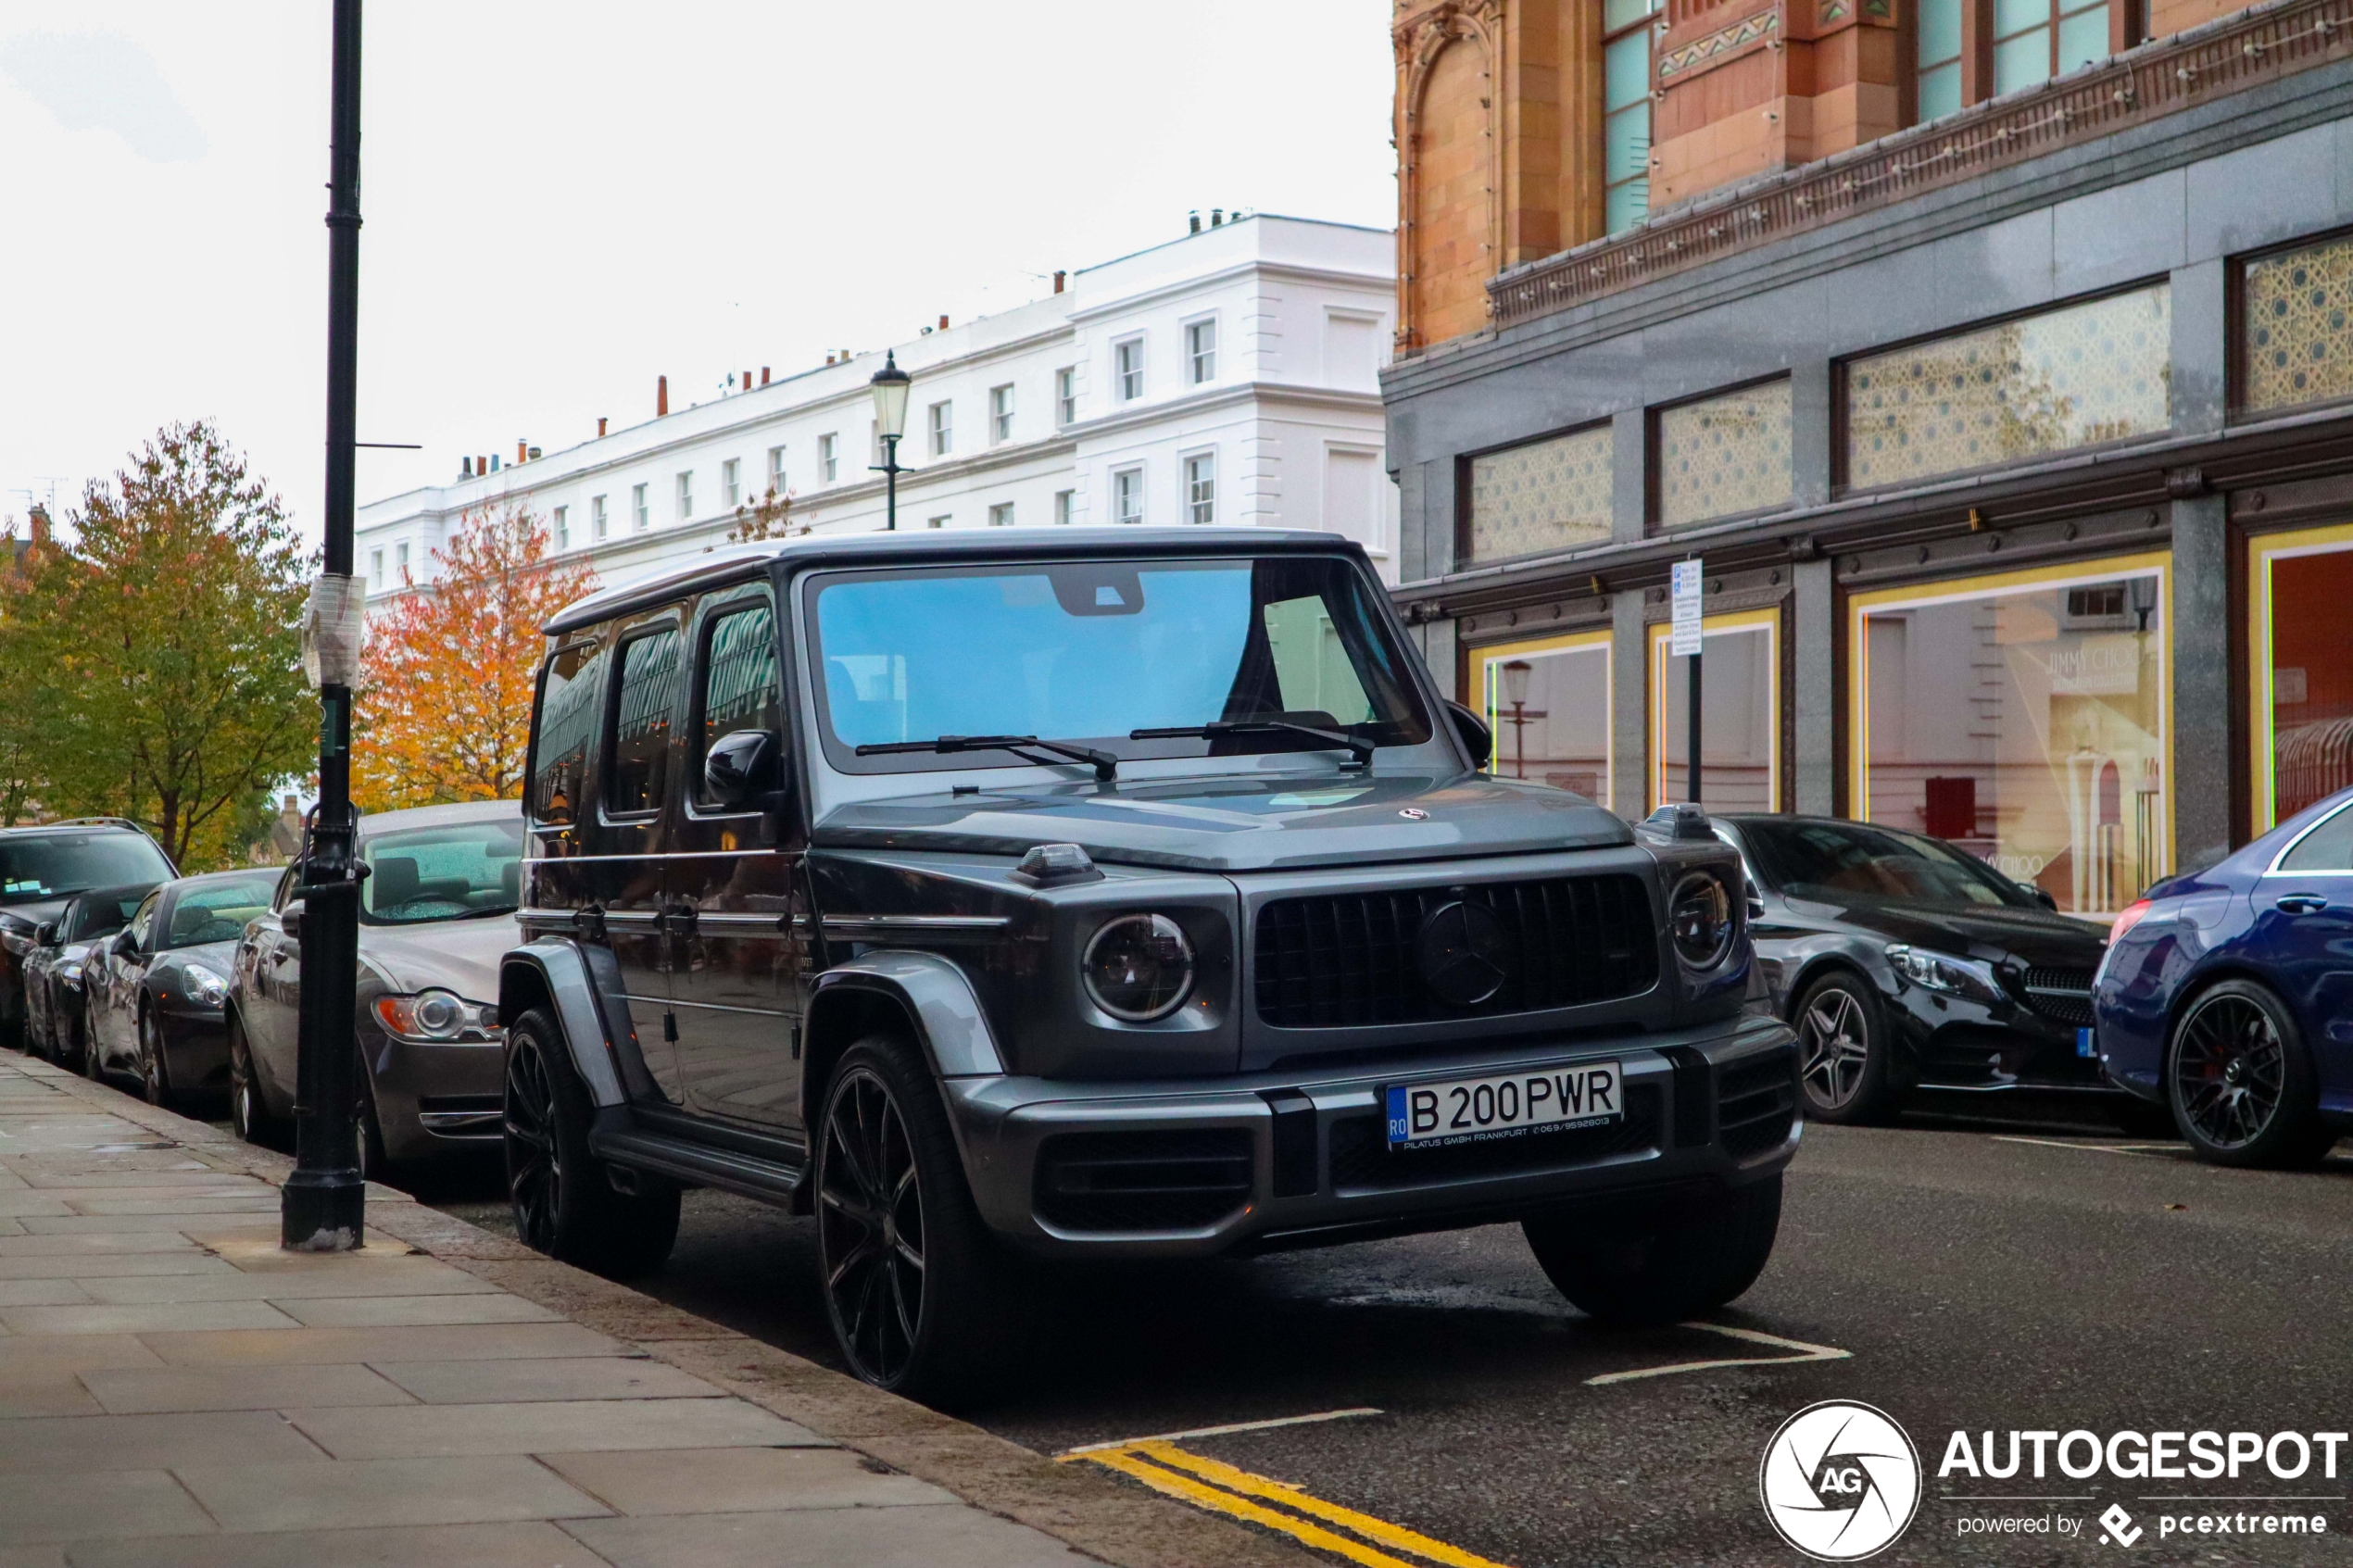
x: 1994, y: 356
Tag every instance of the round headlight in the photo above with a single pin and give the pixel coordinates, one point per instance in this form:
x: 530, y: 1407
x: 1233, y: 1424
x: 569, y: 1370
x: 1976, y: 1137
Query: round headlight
x: 438, y: 1015
x: 1140, y: 968
x: 1700, y: 917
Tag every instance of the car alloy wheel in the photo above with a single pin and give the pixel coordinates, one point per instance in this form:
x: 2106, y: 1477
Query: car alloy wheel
x: 153, y: 1074
x: 1833, y: 1049
x: 870, y: 1220
x: 535, y: 1159
x: 244, y: 1106
x: 2230, y: 1071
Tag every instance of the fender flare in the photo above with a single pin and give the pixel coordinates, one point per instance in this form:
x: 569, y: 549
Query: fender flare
x: 587, y: 1004
x: 951, y: 1024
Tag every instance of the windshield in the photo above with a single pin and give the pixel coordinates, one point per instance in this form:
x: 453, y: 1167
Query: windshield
x: 103, y: 914
x: 217, y: 911
x: 1093, y: 651
x: 1839, y: 862
x: 53, y: 865
x: 463, y: 871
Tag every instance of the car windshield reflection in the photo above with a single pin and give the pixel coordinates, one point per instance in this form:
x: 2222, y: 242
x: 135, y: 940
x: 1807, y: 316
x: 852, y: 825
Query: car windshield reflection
x: 1840, y: 862
x: 463, y: 871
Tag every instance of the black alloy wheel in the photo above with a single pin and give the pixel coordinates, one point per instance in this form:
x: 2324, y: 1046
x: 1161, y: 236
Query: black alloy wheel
x: 567, y: 1202
x: 2239, y: 1082
x: 534, y: 1162
x: 870, y: 1217
x: 155, y: 1072
x: 1841, y: 1050
x: 248, y: 1112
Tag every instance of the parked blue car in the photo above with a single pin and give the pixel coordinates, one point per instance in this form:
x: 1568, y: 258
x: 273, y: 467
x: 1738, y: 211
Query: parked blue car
x: 2227, y: 994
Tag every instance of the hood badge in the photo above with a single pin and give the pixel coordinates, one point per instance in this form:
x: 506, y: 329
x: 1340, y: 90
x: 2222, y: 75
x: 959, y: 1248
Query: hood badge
x: 1413, y: 813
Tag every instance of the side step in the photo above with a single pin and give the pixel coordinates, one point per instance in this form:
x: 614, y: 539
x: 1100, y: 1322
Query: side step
x: 697, y: 1164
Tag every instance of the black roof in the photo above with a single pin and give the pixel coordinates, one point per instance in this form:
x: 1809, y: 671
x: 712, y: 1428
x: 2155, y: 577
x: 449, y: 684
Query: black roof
x: 128, y: 890
x: 916, y: 545
x: 77, y: 824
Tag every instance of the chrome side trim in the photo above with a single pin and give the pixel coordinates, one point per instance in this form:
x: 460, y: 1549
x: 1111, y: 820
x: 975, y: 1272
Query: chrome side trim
x: 854, y: 925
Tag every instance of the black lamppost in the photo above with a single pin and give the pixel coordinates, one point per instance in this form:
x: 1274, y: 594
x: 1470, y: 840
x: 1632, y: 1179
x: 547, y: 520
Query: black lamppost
x: 1516, y: 673
x: 890, y: 384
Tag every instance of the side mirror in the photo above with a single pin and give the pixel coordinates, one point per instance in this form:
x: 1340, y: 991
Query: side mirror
x: 1473, y: 733
x: 290, y: 919
x: 743, y: 765
x: 2044, y: 898
x: 46, y: 935
x: 125, y: 941
x: 1755, y: 903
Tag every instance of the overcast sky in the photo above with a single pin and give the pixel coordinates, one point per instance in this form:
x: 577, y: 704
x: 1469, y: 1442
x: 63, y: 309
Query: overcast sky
x: 565, y: 200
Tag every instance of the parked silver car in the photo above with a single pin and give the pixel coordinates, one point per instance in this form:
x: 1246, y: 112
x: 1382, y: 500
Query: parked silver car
x: 436, y: 913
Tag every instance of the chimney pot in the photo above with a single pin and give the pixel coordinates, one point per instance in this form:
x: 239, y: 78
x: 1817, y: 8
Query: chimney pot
x: 943, y: 324
x: 493, y: 462
x: 532, y: 454
x: 1058, y: 276
x: 747, y: 381
x: 662, y: 397
x: 601, y: 426
x: 482, y: 466
x: 465, y: 467
x: 40, y: 523
x: 763, y: 375
x: 1217, y: 216
x: 1192, y: 220
x: 522, y: 450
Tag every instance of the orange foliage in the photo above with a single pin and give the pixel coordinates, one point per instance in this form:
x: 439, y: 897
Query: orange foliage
x: 444, y: 708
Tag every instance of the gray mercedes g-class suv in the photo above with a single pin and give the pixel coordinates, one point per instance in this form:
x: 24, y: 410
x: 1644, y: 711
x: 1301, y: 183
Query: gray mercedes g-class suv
x: 1101, y: 893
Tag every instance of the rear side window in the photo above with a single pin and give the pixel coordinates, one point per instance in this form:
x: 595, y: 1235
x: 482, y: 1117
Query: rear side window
x: 639, y: 774
x: 146, y: 916
x: 2328, y: 847
x: 741, y: 686
x: 566, y: 725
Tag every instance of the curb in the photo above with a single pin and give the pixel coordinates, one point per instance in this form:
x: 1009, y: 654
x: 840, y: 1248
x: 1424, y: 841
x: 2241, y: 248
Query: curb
x: 1084, y: 1510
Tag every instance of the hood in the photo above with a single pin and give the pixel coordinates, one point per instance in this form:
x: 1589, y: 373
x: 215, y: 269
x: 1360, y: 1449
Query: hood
x: 219, y: 956
x: 461, y: 955
x: 1229, y: 823
x: 34, y: 914
x: 2035, y: 937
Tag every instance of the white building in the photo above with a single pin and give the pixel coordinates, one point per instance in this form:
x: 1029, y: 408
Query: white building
x: 1229, y: 376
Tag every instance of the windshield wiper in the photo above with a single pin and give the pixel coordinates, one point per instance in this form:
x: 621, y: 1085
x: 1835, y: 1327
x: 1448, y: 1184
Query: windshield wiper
x: 1106, y: 766
x: 1358, y: 749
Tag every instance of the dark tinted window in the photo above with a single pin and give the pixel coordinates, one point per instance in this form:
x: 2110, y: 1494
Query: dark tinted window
x: 2328, y: 847
x: 95, y: 916
x: 217, y: 911
x: 142, y: 917
x: 54, y: 864
x: 564, y: 730
x: 741, y: 686
x: 1837, y: 862
x: 638, y: 772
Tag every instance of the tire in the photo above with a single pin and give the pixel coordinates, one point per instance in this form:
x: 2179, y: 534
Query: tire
x: 921, y: 1295
x: 249, y: 1113
x: 155, y: 1068
x: 368, y: 1136
x: 564, y: 1202
x: 1660, y: 1261
x: 2240, y: 1081
x: 93, y: 1059
x: 1842, y: 1049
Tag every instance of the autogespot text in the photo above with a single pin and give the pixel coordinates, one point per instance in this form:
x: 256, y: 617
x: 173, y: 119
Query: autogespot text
x: 2135, y: 1455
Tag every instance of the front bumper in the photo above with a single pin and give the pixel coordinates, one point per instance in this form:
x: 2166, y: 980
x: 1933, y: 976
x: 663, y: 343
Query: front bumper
x: 435, y: 1100
x: 1964, y: 1046
x: 195, y: 1045
x: 1269, y: 1160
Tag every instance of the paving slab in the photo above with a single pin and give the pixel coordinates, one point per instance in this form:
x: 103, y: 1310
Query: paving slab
x: 559, y: 1426
x: 107, y: 1318
x: 98, y: 1444
x: 868, y: 1538
x: 137, y: 1390
x: 401, y: 1276
x: 292, y: 1346
x: 84, y: 1243
x: 101, y: 1265
x: 17, y: 1204
x: 552, y: 1377
x: 741, y: 1480
x: 108, y: 1501
x: 372, y: 1494
x: 364, y: 1311
x: 250, y: 1198
x: 88, y: 1224
x: 529, y: 1545
x: 41, y: 1293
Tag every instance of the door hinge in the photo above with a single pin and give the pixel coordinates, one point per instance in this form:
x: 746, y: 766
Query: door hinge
x: 669, y: 1026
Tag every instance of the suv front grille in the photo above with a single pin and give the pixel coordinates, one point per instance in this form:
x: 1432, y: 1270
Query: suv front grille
x: 2063, y: 996
x: 1361, y: 1159
x: 1756, y: 1102
x: 1174, y: 1180
x: 1347, y: 959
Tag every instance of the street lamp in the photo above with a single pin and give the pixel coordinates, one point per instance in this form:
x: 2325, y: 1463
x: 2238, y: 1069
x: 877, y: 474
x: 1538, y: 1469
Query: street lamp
x: 1516, y: 673
x: 890, y: 384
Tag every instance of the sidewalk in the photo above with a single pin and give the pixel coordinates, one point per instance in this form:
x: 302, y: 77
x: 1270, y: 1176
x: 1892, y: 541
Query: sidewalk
x: 175, y: 1390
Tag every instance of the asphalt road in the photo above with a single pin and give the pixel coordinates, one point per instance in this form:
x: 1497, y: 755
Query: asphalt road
x: 1981, y: 1276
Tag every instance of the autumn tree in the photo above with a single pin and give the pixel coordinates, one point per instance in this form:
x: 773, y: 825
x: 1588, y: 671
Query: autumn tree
x: 161, y: 653
x: 446, y: 676
x: 768, y: 517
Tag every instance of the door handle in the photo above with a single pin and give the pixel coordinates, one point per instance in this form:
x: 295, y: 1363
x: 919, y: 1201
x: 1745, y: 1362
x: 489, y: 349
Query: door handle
x: 679, y: 919
x: 2302, y: 904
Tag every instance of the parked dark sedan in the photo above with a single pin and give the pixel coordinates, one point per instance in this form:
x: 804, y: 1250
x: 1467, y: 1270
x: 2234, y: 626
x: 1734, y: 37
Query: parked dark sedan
x: 436, y: 914
x: 43, y: 866
x: 157, y: 986
x: 2227, y: 994
x: 57, y: 1017
x: 1908, y: 964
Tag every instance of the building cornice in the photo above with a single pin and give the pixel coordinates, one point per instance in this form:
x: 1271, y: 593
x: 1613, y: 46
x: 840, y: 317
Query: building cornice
x: 1278, y: 271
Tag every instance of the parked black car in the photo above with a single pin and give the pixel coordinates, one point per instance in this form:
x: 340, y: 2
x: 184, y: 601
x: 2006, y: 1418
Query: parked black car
x: 156, y: 987
x: 40, y: 868
x: 1100, y: 893
x: 436, y: 915
x: 1906, y: 964
x: 56, y: 1014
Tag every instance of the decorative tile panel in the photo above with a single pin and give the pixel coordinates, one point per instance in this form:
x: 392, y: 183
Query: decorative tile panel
x: 2300, y: 326
x: 1718, y: 45
x: 1546, y: 496
x: 1725, y: 456
x: 2047, y: 384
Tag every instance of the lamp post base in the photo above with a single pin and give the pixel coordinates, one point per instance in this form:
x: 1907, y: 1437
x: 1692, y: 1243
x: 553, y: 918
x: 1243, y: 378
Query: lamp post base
x: 322, y: 1212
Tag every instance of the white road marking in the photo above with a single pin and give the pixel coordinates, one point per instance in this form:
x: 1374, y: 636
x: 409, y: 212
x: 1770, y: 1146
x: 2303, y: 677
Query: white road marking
x: 1811, y: 1353
x: 1221, y: 1431
x: 2143, y: 1150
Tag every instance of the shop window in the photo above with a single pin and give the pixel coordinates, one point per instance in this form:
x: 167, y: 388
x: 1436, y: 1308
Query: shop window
x: 1549, y: 704
x: 2297, y: 327
x: 1740, y: 715
x: 1724, y: 456
x: 2073, y: 377
x: 1546, y: 496
x: 2022, y: 717
x: 2301, y: 641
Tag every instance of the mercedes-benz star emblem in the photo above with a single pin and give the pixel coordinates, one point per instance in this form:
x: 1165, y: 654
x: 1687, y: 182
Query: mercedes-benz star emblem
x: 1413, y: 813
x: 1465, y: 953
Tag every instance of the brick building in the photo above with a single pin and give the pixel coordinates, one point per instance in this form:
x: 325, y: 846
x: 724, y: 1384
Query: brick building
x: 1994, y: 356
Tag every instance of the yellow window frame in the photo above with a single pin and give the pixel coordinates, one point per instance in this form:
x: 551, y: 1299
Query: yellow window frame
x: 1489, y: 659
x: 1661, y: 636
x: 2261, y: 551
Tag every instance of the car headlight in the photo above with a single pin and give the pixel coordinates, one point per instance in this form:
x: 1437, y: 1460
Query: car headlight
x: 436, y: 1017
x: 1699, y: 916
x: 203, y: 985
x: 1139, y: 967
x: 70, y: 971
x: 1943, y: 974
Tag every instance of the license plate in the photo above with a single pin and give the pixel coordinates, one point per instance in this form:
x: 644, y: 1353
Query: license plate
x: 2083, y: 1044
x: 1471, y: 1110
